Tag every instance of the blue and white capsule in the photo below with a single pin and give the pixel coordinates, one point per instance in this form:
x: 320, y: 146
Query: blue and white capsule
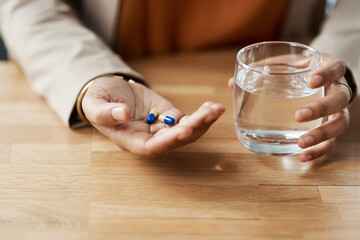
x: 152, y: 116
x: 166, y: 119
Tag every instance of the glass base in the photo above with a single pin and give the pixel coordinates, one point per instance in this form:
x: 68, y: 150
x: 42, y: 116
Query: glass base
x: 272, y: 149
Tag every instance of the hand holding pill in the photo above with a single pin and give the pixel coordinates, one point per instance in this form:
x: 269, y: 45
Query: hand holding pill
x: 141, y: 121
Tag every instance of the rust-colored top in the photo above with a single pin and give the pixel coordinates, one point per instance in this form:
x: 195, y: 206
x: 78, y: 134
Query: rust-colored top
x: 161, y: 26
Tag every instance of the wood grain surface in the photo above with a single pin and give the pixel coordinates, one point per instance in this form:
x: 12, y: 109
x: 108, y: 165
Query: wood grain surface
x: 58, y: 183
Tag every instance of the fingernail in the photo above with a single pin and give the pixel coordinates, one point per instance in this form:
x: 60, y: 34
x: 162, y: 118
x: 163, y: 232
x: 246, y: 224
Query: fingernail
x: 304, y: 113
x: 308, y: 141
x: 316, y: 80
x: 217, y: 107
x: 118, y: 113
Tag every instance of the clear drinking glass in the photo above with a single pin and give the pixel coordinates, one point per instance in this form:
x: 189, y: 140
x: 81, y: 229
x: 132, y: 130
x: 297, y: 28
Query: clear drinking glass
x: 270, y: 85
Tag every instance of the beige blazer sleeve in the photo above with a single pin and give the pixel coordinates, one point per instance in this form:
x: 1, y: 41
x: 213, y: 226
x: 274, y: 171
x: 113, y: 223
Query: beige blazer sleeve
x: 56, y: 52
x: 340, y: 35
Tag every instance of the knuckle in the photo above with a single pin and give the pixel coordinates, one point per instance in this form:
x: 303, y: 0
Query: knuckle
x: 323, y: 109
x: 342, y: 66
x: 337, y: 69
x: 331, y: 74
x: 322, y: 135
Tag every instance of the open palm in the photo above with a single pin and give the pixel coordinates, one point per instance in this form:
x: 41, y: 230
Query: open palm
x: 118, y: 108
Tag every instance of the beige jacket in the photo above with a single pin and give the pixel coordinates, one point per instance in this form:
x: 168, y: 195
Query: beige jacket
x: 59, y: 55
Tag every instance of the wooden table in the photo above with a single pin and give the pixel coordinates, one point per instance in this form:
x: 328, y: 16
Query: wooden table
x: 57, y: 183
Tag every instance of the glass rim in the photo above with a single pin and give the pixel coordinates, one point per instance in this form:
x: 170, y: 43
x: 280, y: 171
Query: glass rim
x: 291, y: 44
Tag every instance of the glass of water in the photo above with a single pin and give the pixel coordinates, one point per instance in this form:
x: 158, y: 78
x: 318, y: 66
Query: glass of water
x: 270, y: 85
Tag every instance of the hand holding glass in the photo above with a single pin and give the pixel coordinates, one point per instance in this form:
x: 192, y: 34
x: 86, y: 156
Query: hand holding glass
x: 270, y: 85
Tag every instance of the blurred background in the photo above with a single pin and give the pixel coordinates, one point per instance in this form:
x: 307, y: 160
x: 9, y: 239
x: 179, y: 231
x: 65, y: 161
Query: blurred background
x: 329, y: 6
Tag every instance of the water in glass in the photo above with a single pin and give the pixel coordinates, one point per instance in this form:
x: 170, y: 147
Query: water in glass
x: 265, y: 106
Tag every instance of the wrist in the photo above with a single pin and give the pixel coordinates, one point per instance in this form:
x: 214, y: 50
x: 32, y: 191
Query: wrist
x: 79, y: 110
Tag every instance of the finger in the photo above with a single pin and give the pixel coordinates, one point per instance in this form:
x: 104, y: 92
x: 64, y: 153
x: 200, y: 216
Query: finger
x: 329, y: 71
x: 183, y: 133
x: 317, y: 151
x: 208, y: 113
x: 103, y: 113
x: 330, y: 129
x: 336, y: 100
x: 186, y: 131
x: 231, y: 83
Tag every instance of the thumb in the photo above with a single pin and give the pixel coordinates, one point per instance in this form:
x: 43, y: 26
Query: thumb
x: 107, y: 113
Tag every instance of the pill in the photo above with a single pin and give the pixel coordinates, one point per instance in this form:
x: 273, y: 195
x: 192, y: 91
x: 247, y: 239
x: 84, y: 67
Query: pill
x: 166, y: 119
x: 152, y: 116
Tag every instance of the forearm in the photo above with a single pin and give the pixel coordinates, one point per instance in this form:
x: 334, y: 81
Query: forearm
x: 55, y: 51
